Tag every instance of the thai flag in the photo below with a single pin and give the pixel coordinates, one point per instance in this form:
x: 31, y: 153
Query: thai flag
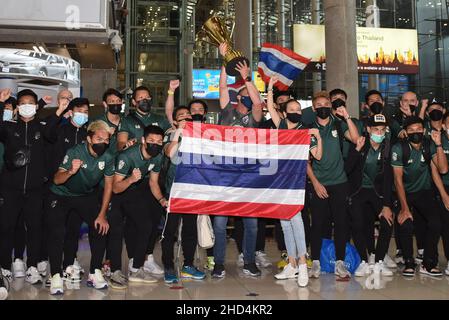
x: 286, y: 64
x: 235, y: 171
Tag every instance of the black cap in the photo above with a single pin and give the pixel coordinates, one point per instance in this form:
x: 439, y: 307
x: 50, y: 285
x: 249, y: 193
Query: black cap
x: 436, y: 101
x: 377, y: 120
x: 411, y: 120
x: 77, y: 102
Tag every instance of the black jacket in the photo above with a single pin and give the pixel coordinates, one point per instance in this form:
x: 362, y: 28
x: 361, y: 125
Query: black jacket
x: 383, y: 182
x: 28, y: 138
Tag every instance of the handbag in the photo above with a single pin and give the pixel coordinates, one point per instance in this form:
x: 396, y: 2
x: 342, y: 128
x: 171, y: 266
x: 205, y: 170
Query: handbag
x: 206, y: 236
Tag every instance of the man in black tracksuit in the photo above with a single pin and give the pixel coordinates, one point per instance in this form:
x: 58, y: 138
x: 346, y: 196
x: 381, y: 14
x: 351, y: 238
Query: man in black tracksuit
x: 23, y: 177
x: 370, y: 176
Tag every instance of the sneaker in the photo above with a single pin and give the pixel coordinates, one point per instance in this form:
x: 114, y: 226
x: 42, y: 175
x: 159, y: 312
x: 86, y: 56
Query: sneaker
x: 141, y: 276
x: 303, y: 276
x: 309, y: 261
x: 219, y: 271
x: 435, y: 272
x: 77, y: 265
x: 316, y: 269
x: 262, y: 260
x: 420, y: 256
x: 381, y: 267
x: 446, y: 271
x: 283, y: 262
x: 240, y: 261
x: 42, y: 268
x: 33, y: 276
x: 362, y: 270
x: 96, y: 280
x: 3, y: 289
x: 341, y: 270
x: 251, y: 270
x: 7, y: 274
x: 170, y: 277
x: 71, y: 274
x: 118, y: 280
x: 409, y: 269
x: 399, y: 259
x: 389, y: 262
x: 106, y: 268
x: 190, y: 272
x: 289, y: 272
x: 18, y: 268
x: 372, y: 259
x: 151, y: 266
x: 57, y: 286
x: 210, y: 263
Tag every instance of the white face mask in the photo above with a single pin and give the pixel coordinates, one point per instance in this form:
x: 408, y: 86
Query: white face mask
x: 27, y: 110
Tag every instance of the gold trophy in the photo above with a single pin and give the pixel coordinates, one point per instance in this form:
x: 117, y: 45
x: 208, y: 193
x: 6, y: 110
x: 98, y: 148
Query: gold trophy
x: 215, y: 30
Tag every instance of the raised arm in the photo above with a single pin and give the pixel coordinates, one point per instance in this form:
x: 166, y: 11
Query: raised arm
x: 270, y: 103
x: 170, y: 102
x: 223, y: 85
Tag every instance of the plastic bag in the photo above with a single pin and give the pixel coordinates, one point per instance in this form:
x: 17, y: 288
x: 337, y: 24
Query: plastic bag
x: 206, y: 236
x: 327, y: 257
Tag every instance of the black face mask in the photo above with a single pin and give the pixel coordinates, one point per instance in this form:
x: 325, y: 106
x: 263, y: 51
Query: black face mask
x: 294, y: 117
x: 412, y: 108
x: 338, y: 103
x: 145, y: 105
x: 115, y: 108
x: 197, y: 117
x: 323, y: 112
x: 416, y: 137
x: 153, y: 149
x: 376, y: 108
x: 100, y: 148
x: 436, y: 115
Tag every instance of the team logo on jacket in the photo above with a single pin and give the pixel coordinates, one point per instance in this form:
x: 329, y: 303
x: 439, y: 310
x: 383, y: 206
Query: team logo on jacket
x: 155, y: 124
x: 422, y: 158
x: 101, y: 165
x: 66, y: 140
x: 151, y: 166
x: 54, y: 203
x: 37, y: 136
x: 84, y: 166
x: 137, y: 126
x: 394, y: 156
x: 334, y: 133
x: 121, y: 164
x: 245, y: 120
x: 66, y: 158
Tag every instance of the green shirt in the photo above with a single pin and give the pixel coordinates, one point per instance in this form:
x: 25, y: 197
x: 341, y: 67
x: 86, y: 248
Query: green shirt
x: 433, y: 151
x: 344, y: 127
x: 171, y: 171
x: 88, y: 176
x: 229, y: 116
x: 132, y: 158
x: 371, y: 168
x: 113, y: 139
x: 416, y: 173
x: 330, y: 169
x: 131, y: 124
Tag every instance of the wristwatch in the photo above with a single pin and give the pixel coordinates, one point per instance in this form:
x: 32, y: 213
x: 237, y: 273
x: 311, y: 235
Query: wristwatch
x: 248, y: 79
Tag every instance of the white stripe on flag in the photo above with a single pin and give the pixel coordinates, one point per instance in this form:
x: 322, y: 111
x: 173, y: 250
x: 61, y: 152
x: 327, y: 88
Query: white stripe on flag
x: 269, y: 73
x: 284, y: 58
x: 232, y: 194
x: 244, y: 150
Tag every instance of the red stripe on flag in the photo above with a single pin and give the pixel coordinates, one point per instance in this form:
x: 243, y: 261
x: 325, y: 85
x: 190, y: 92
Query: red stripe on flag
x: 287, y: 52
x: 280, y: 85
x: 246, y: 135
x: 238, y: 209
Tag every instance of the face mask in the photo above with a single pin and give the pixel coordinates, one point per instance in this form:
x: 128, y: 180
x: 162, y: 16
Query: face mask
x: 412, y: 108
x: 436, y: 115
x: 154, y: 149
x: 376, y: 108
x: 145, y: 105
x: 115, y: 108
x: 100, y: 148
x: 80, y: 118
x: 323, y: 112
x: 294, y: 117
x: 338, y: 103
x: 377, y: 138
x: 7, y: 115
x: 416, y: 137
x: 27, y: 110
x: 197, y: 117
x: 246, y: 101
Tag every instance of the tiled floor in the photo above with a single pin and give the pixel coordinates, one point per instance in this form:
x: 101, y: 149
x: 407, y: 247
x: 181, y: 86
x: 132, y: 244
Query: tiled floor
x: 240, y: 287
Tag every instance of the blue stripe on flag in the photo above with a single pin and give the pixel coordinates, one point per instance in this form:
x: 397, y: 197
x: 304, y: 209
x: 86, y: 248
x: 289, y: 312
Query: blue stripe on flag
x: 275, y: 64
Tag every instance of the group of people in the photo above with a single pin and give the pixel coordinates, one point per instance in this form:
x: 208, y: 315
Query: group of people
x: 115, y: 174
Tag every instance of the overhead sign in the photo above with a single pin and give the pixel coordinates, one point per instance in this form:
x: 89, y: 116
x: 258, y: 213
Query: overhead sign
x: 379, y: 50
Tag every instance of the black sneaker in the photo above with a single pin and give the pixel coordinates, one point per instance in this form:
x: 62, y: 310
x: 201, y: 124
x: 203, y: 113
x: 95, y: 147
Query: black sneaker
x: 219, y: 271
x: 409, y: 269
x: 252, y: 270
x: 434, y: 272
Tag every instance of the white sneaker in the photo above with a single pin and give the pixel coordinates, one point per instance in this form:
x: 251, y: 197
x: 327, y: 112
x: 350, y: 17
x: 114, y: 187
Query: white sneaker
x: 42, y: 268
x: 372, y: 259
x: 262, y: 260
x: 240, y: 261
x: 362, y: 270
x: 289, y: 272
x: 71, y: 274
x: 77, y: 266
x: 18, y: 268
x: 140, y: 276
x: 3, y: 293
x: 382, y: 268
x: 303, y: 276
x: 33, y: 276
x: 7, y: 274
x: 389, y: 262
x: 446, y: 271
x: 316, y: 269
x: 151, y: 266
x: 56, y: 286
x: 341, y: 270
x: 96, y: 280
